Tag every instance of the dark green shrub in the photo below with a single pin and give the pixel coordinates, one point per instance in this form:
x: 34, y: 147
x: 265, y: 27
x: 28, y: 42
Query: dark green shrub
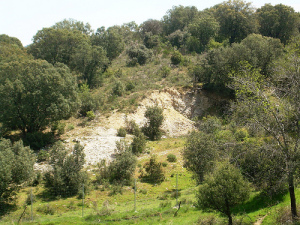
x: 67, y: 177
x: 43, y: 155
x: 171, y: 158
x: 176, y: 58
x: 138, y: 54
x: 118, y: 89
x: 138, y: 144
x: 130, y: 86
x: 164, y: 164
x: 155, y: 119
x: 165, y: 71
x: 121, y: 169
x: 154, y: 172
x: 121, y: 132
x: 89, y: 102
x: 58, y: 127
x: 16, y: 167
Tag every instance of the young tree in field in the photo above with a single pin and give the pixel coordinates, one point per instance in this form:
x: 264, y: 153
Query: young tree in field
x: 67, y: 177
x: 155, y: 119
x: 34, y: 93
x: 275, y: 107
x: 223, y: 189
x: 16, y: 166
x: 200, y: 154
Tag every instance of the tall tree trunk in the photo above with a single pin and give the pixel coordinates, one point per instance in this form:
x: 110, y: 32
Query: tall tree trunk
x: 292, y: 196
x: 228, y: 212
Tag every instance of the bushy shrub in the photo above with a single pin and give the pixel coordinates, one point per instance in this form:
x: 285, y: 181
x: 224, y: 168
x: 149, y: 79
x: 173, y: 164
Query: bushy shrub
x: 138, y: 144
x: 121, y: 132
x: 118, y: 89
x: 89, y: 102
x: 138, y: 54
x: 165, y: 71
x: 241, y: 134
x: 43, y: 155
x: 16, y: 167
x: 58, y: 128
x: 154, y: 172
x: 171, y: 158
x: 155, y: 119
x: 67, y: 177
x: 121, y: 169
x: 176, y: 58
x: 90, y: 115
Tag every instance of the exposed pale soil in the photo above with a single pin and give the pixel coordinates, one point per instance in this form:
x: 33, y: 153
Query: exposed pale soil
x: 99, y: 140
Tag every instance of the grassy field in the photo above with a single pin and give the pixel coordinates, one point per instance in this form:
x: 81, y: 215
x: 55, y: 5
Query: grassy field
x: 155, y: 203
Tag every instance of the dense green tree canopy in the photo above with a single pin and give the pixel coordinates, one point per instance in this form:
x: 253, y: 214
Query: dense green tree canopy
x: 204, y: 28
x: 111, y: 40
x: 223, y: 189
x: 56, y: 45
x: 236, y: 19
x: 34, y: 93
x: 178, y: 18
x: 10, y: 40
x: 72, y: 24
x: 279, y: 21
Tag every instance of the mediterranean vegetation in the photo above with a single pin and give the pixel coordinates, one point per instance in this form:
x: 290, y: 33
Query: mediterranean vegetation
x: 240, y: 164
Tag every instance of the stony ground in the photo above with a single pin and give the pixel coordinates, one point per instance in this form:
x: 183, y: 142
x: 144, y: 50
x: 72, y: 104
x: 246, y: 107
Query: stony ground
x: 99, y: 138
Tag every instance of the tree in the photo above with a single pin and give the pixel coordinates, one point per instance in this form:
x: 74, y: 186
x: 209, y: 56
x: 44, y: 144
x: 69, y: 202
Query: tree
x: 178, y: 38
x: 5, y: 39
x: 111, y: 40
x: 279, y: 21
x: 56, y: 45
x: 67, y: 177
x: 151, y: 26
x: 236, y: 19
x: 16, y: 166
x: 154, y: 172
x: 199, y: 154
x: 72, y: 24
x: 276, y: 110
x: 121, y: 168
x: 178, y: 18
x: 155, y: 119
x: 223, y: 189
x: 90, y: 61
x: 204, y: 28
x: 33, y: 94
x: 139, y: 54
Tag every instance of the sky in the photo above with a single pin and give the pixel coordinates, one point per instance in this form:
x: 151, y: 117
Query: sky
x: 23, y: 18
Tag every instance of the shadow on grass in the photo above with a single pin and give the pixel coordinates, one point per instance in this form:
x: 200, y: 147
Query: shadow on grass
x: 6, y: 208
x: 258, y: 202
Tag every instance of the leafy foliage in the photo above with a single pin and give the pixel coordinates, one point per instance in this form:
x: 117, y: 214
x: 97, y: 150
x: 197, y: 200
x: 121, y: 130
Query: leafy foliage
x: 154, y: 172
x: 138, y: 54
x: 16, y: 166
x: 121, y: 169
x: 155, y: 119
x: 223, y: 189
x: 33, y: 94
x: 279, y: 21
x: 67, y: 177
